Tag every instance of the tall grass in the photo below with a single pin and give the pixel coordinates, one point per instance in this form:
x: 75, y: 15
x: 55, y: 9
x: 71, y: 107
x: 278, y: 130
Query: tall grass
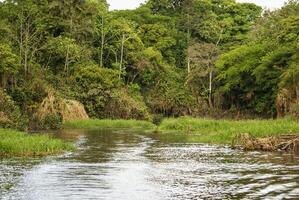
x: 224, y: 131
x: 19, y: 144
x: 97, y: 123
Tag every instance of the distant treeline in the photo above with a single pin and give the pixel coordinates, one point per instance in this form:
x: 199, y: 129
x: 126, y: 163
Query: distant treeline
x: 214, y: 58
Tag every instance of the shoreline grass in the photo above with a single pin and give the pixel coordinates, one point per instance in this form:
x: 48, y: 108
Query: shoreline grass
x: 107, y: 123
x: 19, y: 144
x: 199, y: 130
x: 225, y: 131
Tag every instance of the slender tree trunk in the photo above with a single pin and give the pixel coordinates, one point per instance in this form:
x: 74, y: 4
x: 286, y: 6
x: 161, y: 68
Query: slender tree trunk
x: 26, y: 49
x: 67, y: 57
x: 210, y: 89
x: 188, y: 65
x: 5, y: 80
x: 121, y: 55
x: 115, y: 55
x: 211, y: 75
x: 21, y: 39
x: 188, y: 44
x: 66, y: 63
x: 102, y: 43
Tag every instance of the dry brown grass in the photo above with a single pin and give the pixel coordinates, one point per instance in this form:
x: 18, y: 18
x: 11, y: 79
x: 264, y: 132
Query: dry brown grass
x: 4, y: 118
x: 274, y: 143
x: 68, y: 109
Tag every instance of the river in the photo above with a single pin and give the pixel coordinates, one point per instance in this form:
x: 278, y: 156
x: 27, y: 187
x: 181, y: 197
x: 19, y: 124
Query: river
x: 119, y: 164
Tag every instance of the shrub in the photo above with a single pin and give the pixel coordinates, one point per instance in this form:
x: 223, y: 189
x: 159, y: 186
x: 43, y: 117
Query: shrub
x: 93, y: 86
x: 10, y: 115
x: 124, y: 104
x: 51, y: 121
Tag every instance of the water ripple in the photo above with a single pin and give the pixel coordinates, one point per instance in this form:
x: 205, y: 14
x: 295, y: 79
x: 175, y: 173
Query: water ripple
x: 121, y: 165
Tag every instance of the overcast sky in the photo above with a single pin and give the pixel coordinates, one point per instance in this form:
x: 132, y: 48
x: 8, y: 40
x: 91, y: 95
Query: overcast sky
x: 130, y: 4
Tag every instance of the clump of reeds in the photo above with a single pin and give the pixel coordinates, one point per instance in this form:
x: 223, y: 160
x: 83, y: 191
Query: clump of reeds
x: 19, y: 144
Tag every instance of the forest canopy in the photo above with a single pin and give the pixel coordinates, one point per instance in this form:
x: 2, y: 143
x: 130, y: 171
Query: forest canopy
x: 215, y: 58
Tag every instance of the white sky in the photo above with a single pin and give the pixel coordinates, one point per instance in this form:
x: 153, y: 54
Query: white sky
x: 131, y: 4
x: 272, y: 4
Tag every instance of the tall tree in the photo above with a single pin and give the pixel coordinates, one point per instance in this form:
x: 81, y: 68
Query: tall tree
x: 25, y: 20
x: 202, y: 61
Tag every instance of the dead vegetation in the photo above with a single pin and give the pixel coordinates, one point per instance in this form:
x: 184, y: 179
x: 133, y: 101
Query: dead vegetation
x: 274, y: 143
x: 4, y: 119
x: 68, y: 109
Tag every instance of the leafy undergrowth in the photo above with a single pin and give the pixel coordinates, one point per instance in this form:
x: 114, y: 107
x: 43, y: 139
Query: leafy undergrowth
x: 97, y: 123
x: 225, y: 131
x: 20, y: 144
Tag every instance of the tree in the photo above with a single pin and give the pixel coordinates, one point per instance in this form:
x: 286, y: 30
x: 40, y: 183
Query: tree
x: 122, y: 42
x: 9, y: 65
x: 102, y: 30
x: 63, y: 52
x: 93, y: 86
x: 165, y: 7
x: 25, y: 21
x: 251, y: 74
x: 202, y: 69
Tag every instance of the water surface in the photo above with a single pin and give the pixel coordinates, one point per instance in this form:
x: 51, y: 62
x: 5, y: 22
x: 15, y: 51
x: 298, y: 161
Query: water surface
x: 127, y: 165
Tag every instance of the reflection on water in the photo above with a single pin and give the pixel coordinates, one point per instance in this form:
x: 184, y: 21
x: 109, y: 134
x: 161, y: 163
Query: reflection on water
x: 122, y: 165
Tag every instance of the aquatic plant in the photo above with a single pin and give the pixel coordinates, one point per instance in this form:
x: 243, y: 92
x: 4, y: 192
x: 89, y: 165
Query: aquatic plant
x: 15, y: 143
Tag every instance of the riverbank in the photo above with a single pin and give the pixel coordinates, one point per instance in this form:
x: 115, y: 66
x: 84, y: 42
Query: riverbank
x: 205, y: 130
x: 19, y: 144
x: 268, y: 135
x: 229, y: 131
x: 251, y: 134
x: 107, y: 123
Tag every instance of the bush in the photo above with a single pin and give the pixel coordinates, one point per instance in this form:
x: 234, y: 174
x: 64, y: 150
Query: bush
x: 157, y: 119
x: 10, y: 115
x: 124, y: 104
x: 171, y: 97
x: 101, y: 92
x: 52, y: 121
x: 93, y: 86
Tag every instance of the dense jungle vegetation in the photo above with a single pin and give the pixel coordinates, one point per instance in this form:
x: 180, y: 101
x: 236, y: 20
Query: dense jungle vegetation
x: 215, y: 58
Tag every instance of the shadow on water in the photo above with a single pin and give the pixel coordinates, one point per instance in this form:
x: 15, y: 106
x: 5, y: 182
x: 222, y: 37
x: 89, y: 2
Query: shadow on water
x: 129, y: 165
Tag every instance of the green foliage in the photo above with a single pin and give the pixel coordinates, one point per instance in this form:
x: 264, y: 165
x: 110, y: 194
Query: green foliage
x: 125, y: 104
x: 9, y: 64
x: 171, y: 97
x: 93, y: 86
x: 19, y: 144
x: 10, y: 115
x: 225, y: 131
x: 50, y: 122
x: 167, y: 51
x: 64, y: 53
x: 253, y: 73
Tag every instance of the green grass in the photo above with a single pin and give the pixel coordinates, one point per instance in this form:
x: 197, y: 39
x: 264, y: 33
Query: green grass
x: 199, y: 130
x: 97, y: 123
x: 224, y: 131
x: 19, y: 144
